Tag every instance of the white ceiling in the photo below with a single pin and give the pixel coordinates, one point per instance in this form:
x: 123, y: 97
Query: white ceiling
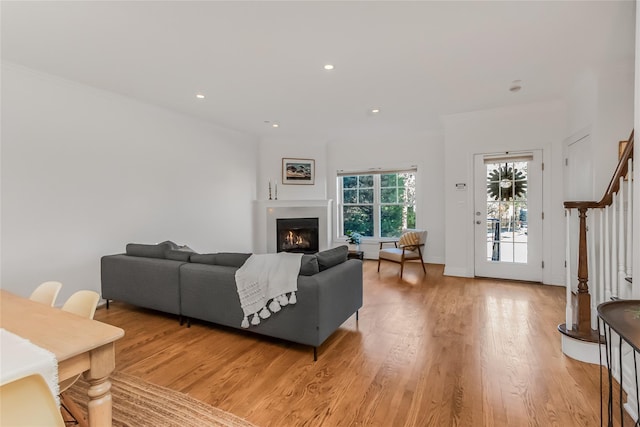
x: 263, y: 60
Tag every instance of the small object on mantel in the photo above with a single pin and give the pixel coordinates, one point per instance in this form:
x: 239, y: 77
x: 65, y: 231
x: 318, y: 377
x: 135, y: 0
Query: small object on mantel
x: 276, y: 191
x: 269, y: 189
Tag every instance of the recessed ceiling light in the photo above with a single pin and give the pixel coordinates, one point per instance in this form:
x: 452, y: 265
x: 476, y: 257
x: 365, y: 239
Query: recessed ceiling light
x: 275, y: 125
x: 328, y: 67
x: 375, y: 110
x: 200, y: 96
x: 515, y: 86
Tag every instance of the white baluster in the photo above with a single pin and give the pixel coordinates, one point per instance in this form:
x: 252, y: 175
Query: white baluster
x: 614, y: 246
x: 569, y: 309
x: 607, y: 255
x: 629, y: 272
x: 602, y: 296
x: 621, y: 241
x: 592, y: 269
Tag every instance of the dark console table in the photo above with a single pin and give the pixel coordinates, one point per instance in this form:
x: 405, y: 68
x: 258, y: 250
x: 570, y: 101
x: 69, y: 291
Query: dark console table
x: 623, y: 317
x: 356, y: 255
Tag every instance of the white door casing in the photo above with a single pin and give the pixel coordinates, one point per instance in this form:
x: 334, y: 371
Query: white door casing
x: 508, y: 215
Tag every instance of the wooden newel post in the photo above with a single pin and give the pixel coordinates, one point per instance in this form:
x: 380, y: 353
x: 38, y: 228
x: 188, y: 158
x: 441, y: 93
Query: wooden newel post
x: 584, y: 298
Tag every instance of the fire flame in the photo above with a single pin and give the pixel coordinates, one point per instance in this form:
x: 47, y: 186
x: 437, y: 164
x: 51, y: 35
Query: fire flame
x: 293, y: 239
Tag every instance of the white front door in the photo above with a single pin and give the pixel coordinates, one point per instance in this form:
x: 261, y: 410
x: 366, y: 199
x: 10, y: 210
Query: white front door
x: 508, y: 215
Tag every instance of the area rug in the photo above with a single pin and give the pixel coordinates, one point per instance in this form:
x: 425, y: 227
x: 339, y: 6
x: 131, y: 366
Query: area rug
x: 137, y: 403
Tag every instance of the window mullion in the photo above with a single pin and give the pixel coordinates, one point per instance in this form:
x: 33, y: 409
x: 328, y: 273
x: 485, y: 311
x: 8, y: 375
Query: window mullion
x: 340, y: 225
x: 376, y: 206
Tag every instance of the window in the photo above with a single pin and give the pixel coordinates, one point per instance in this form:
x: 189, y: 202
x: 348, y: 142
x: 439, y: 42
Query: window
x: 377, y: 204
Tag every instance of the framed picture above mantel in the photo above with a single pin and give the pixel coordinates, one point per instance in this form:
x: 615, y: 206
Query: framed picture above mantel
x: 298, y: 171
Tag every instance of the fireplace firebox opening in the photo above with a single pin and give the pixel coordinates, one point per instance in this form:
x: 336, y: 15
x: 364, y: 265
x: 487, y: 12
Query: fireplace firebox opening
x: 298, y: 235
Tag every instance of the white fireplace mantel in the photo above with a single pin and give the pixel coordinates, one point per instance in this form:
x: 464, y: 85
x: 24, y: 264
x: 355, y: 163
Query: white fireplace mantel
x: 266, y: 212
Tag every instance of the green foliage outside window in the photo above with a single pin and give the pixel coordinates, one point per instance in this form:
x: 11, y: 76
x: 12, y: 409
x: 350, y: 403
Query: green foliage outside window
x: 391, y: 223
x: 393, y: 207
x: 358, y: 219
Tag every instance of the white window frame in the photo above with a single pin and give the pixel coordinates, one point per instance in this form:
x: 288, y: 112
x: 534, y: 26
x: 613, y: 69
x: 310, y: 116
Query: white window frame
x: 377, y: 204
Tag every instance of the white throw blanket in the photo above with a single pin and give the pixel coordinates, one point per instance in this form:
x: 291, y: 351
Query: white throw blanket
x: 267, y: 277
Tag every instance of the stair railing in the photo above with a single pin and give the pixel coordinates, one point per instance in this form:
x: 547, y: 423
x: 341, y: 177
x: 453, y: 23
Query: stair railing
x: 604, y: 248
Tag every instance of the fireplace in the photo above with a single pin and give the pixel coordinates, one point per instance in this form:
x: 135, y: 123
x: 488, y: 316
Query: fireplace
x: 297, y: 235
x: 268, y: 212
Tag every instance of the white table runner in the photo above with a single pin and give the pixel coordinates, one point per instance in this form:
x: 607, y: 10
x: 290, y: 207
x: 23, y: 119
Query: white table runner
x: 20, y: 358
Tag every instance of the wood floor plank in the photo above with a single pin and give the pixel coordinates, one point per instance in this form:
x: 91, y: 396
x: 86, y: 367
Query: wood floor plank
x: 428, y: 350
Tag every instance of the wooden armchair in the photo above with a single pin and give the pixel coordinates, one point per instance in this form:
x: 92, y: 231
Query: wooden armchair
x: 407, y: 248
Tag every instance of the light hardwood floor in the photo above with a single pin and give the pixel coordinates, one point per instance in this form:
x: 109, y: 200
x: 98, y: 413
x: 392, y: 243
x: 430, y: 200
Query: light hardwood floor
x: 427, y: 351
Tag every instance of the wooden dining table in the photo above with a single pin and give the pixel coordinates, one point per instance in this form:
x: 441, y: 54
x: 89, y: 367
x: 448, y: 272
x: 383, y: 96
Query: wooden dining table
x: 81, y: 346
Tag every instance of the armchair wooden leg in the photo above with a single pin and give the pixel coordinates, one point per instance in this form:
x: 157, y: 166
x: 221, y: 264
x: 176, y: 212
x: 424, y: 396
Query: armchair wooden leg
x: 423, y: 268
x: 378, y: 265
x: 401, y: 268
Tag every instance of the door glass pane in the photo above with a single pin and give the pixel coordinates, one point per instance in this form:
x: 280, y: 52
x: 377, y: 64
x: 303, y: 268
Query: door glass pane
x: 507, y: 211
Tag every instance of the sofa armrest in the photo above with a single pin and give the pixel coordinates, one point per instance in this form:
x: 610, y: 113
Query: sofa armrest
x: 146, y: 282
x: 339, y: 295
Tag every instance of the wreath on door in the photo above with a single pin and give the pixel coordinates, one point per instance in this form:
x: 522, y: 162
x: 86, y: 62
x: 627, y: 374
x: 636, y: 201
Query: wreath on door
x: 506, y: 183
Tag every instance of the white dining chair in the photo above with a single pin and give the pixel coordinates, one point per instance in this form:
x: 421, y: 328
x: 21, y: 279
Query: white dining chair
x: 28, y: 402
x: 46, y: 293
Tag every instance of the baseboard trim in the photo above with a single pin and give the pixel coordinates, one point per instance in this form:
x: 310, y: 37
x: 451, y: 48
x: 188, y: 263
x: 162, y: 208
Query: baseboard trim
x: 457, y: 272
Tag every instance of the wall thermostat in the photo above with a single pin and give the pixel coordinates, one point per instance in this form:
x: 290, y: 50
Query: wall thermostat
x: 461, y: 186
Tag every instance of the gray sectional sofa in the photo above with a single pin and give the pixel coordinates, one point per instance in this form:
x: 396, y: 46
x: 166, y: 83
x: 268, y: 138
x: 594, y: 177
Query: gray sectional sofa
x: 202, y: 286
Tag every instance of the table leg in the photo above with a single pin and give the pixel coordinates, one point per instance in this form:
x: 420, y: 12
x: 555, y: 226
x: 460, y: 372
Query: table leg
x: 102, y: 364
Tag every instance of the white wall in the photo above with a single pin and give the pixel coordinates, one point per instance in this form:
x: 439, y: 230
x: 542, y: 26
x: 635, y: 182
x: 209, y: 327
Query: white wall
x: 426, y: 151
x: 272, y: 150
x: 613, y: 121
x: 523, y: 127
x: 600, y: 104
x: 86, y: 171
x: 582, y: 102
x: 636, y: 155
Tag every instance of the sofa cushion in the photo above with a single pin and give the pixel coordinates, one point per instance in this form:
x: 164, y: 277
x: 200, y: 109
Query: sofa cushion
x: 331, y: 257
x: 148, y: 251
x: 309, y: 265
x: 231, y: 259
x: 203, y: 258
x: 178, y: 255
x: 172, y: 245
